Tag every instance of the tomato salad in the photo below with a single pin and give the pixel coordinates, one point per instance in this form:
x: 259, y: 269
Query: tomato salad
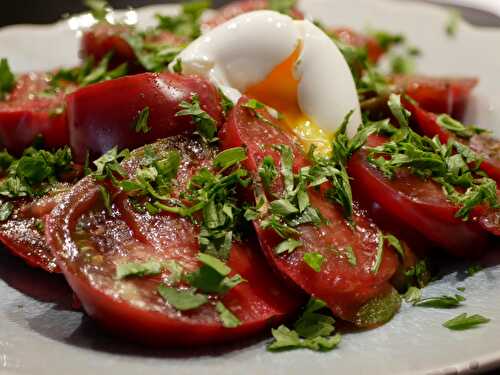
x: 181, y: 215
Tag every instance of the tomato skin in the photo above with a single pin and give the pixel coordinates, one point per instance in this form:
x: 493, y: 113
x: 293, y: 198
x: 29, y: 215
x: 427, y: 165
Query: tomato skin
x: 418, y: 204
x: 103, y: 115
x: 438, y: 95
x: 26, y: 114
x: 239, y: 7
x: 344, y: 287
x: 142, y: 315
x: 20, y: 235
x: 104, y: 38
x: 486, y: 146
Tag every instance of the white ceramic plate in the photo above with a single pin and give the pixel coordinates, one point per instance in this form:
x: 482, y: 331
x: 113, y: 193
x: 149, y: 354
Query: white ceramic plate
x: 40, y: 334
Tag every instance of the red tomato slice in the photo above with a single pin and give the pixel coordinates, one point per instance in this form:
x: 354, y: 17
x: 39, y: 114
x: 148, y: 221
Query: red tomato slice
x: 132, y: 307
x: 28, y: 113
x: 349, y: 36
x: 22, y: 233
x: 485, y: 145
x: 418, y: 204
x: 238, y: 7
x: 438, y: 95
x: 103, y: 38
x: 104, y: 115
x: 343, y: 286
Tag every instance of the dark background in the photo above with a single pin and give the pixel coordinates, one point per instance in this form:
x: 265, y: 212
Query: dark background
x: 47, y: 11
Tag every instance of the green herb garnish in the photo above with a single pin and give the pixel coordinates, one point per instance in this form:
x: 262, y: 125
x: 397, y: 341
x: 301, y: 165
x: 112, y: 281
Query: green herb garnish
x: 442, y: 302
x: 139, y: 269
x: 314, y: 260
x: 7, y: 79
x: 182, y: 300
x: 207, y: 127
x: 464, y: 321
x: 141, y: 124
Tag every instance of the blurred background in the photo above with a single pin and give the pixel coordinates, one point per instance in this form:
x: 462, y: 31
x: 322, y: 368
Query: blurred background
x: 479, y: 12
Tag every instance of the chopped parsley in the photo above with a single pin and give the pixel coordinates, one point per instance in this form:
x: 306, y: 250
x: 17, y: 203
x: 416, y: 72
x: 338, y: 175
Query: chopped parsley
x: 7, y: 79
x: 314, y: 260
x: 442, y: 302
x: 351, y: 256
x: 453, y: 23
x: 177, y: 68
x: 419, y: 274
x: 378, y: 256
x: 454, y: 165
x: 413, y: 295
x: 182, y: 300
x: 457, y: 128
x: 473, y: 269
x: 228, y: 319
x: 141, y: 124
x: 98, y: 8
x: 86, y: 74
x: 282, y: 6
x: 152, y: 56
x: 187, y: 23
x: 313, y: 330
x: 207, y: 127
x: 35, y: 172
x: 139, y: 269
x: 6, y: 209
x: 465, y: 321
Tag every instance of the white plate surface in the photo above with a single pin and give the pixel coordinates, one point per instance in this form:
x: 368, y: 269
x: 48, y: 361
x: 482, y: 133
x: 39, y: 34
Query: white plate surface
x: 40, y: 334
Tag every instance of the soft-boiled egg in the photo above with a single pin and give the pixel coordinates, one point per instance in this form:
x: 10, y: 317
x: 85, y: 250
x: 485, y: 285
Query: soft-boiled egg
x: 289, y: 65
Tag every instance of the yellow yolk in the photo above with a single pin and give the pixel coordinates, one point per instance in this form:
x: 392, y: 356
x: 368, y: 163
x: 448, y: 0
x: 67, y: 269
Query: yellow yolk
x: 279, y: 90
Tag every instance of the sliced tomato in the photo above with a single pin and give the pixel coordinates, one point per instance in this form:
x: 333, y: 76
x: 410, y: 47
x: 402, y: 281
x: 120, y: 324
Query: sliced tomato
x: 353, y: 38
x: 238, y: 7
x: 23, y: 232
x: 104, y: 115
x: 486, y: 146
x: 418, y: 204
x: 104, y: 38
x: 438, y: 95
x: 29, y: 112
x: 344, y: 286
x: 89, y: 242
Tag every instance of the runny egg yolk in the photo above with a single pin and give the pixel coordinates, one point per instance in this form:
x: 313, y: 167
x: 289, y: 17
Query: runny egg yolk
x: 279, y: 90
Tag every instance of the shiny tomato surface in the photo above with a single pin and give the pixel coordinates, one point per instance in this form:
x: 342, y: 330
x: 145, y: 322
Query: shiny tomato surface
x: 90, y: 241
x: 105, y: 114
x: 345, y: 287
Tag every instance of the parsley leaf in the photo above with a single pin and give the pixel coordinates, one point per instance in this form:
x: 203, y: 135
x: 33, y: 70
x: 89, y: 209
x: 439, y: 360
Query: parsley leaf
x: 464, y: 321
x: 182, y: 300
x: 228, y: 319
x: 207, y: 127
x: 268, y: 172
x: 141, y: 124
x: 98, y: 8
x: 314, y: 260
x: 313, y: 330
x: 153, y: 57
x: 7, y: 79
x: 230, y: 157
x: 282, y: 6
x: 6, y: 210
x: 413, y: 295
x: 378, y: 256
x: 473, y: 269
x: 396, y: 244
x: 456, y: 127
x: 187, y: 23
x: 442, y: 302
x: 453, y: 23
x: 151, y: 267
x: 288, y: 245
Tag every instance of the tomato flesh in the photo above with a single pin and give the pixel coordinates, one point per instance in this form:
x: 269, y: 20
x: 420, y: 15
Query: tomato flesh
x: 132, y: 307
x: 438, y: 95
x: 23, y: 233
x: 104, y: 115
x: 418, y: 204
x: 28, y: 112
x: 343, y: 286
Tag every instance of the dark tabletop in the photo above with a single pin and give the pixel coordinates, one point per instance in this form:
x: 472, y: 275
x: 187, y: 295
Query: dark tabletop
x: 47, y: 11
